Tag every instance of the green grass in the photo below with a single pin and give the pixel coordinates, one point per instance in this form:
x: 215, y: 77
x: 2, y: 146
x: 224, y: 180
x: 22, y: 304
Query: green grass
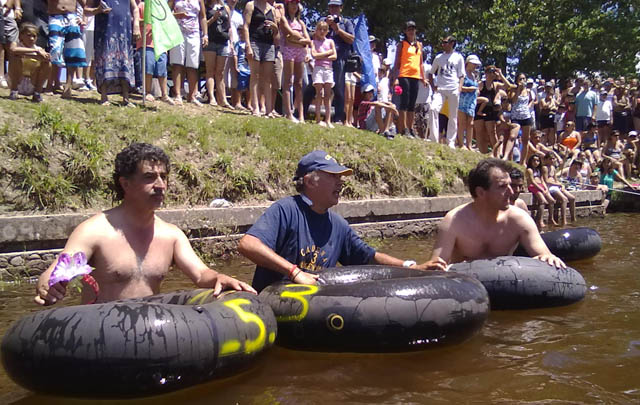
x: 58, y: 156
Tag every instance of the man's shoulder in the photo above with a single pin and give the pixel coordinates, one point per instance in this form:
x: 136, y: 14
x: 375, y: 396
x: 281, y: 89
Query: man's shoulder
x: 459, y: 213
x: 517, y: 213
x: 338, y: 219
x: 283, y: 206
x: 96, y: 219
x: 164, y: 226
x: 288, y: 201
x: 521, y: 204
x: 438, y: 57
x: 97, y: 226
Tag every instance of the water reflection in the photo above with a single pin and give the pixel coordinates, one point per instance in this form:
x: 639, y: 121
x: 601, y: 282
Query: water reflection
x: 583, y: 353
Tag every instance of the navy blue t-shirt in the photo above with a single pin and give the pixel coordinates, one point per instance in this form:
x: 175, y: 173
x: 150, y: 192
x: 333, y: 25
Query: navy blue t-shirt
x: 312, y: 241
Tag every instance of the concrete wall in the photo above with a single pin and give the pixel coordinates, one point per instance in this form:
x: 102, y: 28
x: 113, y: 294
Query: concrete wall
x: 28, y: 244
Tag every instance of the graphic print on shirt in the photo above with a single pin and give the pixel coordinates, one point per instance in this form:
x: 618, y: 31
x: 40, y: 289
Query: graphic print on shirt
x: 313, y: 258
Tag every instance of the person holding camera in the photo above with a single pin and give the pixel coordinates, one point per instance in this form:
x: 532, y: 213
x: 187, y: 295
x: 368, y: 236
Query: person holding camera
x: 342, y: 32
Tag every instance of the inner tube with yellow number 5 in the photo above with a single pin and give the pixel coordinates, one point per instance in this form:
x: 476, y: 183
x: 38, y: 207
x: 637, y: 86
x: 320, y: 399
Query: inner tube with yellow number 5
x: 377, y: 309
x: 138, y: 347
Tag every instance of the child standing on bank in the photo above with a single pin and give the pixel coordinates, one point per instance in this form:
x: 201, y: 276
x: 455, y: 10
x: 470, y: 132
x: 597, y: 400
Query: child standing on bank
x: 323, y: 51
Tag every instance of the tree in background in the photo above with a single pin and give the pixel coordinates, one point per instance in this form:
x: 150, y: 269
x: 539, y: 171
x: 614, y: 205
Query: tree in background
x: 551, y: 38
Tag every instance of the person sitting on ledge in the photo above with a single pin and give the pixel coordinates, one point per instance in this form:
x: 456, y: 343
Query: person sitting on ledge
x: 131, y: 248
x: 298, y: 235
x: 488, y: 226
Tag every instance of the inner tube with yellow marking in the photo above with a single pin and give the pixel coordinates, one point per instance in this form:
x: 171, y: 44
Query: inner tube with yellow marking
x: 137, y: 347
x: 377, y: 309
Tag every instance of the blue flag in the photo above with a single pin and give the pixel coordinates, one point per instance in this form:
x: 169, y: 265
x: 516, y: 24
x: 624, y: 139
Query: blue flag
x: 362, y: 47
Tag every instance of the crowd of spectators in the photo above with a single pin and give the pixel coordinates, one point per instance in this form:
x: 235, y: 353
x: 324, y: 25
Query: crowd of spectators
x: 265, y: 60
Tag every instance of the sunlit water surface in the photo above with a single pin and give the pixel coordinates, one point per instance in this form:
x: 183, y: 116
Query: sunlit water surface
x: 584, y: 353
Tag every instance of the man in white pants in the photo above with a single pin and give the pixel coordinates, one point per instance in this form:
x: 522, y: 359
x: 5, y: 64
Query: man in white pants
x: 449, y: 70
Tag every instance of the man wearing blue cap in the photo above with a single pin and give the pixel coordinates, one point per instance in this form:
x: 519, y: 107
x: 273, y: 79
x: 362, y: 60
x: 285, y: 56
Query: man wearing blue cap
x: 298, y: 235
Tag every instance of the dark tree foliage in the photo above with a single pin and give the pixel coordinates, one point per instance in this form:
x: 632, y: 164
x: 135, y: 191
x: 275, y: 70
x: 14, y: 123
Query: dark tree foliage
x: 550, y: 38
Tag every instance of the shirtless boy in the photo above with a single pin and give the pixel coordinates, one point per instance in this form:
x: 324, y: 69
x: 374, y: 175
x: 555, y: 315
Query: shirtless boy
x: 489, y: 226
x: 131, y: 248
x: 65, y: 39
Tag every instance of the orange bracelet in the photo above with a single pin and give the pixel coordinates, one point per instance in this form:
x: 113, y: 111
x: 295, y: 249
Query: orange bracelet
x: 291, y: 276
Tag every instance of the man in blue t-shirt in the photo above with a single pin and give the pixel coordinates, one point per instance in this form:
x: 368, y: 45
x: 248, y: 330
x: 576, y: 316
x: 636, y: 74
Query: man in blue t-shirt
x: 298, y: 235
x: 586, y: 102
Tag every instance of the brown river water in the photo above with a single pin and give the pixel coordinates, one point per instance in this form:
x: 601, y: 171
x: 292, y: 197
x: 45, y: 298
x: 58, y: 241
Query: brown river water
x: 588, y: 352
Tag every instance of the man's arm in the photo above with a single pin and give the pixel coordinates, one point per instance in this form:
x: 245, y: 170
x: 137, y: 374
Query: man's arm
x: 135, y: 14
x: 80, y: 240
x: 443, y: 249
x: 346, y: 36
x: 253, y: 249
x: 531, y: 240
x: 188, y: 261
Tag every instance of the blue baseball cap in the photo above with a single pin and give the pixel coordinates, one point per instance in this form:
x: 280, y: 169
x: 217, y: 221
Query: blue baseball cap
x: 320, y: 160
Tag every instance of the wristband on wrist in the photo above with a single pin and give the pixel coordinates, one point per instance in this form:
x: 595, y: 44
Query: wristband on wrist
x: 408, y: 263
x: 291, y: 276
x: 296, y: 274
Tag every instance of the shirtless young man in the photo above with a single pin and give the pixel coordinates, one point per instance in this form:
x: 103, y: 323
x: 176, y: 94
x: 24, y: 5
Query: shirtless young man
x: 131, y: 248
x: 488, y: 226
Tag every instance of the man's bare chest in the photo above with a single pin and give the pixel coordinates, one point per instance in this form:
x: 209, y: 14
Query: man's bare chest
x: 119, y: 259
x: 486, y: 241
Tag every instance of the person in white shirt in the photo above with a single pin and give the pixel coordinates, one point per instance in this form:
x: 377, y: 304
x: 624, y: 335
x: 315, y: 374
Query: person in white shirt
x: 375, y: 56
x: 604, y: 116
x: 449, y: 69
x: 383, y: 84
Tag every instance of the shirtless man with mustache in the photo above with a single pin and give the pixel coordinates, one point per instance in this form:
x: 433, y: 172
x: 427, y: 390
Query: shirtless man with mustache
x: 131, y: 248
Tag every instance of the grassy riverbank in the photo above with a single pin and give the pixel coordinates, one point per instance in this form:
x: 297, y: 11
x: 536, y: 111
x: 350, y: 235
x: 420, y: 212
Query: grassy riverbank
x: 58, y: 156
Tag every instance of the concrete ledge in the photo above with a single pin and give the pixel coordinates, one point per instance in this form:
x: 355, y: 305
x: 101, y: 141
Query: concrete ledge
x: 215, y: 231
x: 21, y: 231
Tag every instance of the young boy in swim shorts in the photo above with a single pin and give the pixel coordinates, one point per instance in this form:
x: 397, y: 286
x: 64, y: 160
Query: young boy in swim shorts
x: 28, y: 61
x: 65, y: 39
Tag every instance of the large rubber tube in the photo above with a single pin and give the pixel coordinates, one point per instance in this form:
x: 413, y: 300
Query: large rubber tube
x: 570, y: 244
x: 377, y: 309
x: 137, y: 348
x: 523, y: 282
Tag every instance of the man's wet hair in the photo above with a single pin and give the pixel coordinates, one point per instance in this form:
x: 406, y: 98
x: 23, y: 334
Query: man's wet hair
x: 480, y: 177
x: 127, y: 160
x: 516, y: 174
